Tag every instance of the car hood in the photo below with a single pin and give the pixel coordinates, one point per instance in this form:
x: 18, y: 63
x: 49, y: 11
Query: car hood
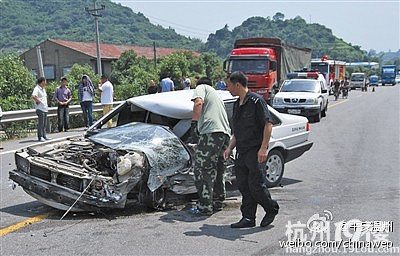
x: 165, y: 152
x: 304, y: 95
x: 176, y: 104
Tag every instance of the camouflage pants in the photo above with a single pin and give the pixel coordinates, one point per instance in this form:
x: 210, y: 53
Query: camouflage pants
x: 209, y: 170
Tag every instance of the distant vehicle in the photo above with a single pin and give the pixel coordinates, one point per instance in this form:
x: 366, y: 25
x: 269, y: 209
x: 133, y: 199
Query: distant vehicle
x: 389, y: 74
x: 266, y: 63
x: 373, y: 80
x: 305, y: 95
x: 331, y: 69
x: 357, y: 80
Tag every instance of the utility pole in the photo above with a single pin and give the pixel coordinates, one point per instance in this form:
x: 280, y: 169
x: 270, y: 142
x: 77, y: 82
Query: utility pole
x: 96, y: 15
x: 155, y: 55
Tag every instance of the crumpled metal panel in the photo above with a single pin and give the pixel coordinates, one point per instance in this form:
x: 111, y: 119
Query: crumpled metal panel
x: 164, y: 151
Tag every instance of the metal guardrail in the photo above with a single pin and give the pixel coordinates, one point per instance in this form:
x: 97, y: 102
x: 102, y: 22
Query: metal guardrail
x: 30, y: 114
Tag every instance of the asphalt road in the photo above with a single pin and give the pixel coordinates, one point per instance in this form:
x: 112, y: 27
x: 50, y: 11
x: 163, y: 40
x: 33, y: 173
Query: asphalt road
x: 352, y: 170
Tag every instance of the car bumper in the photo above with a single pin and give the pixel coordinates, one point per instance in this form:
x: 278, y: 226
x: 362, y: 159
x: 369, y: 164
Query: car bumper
x: 61, y: 197
x: 297, y: 150
x: 303, y: 110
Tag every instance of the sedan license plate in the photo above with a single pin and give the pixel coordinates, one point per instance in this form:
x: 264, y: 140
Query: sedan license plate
x: 294, y: 111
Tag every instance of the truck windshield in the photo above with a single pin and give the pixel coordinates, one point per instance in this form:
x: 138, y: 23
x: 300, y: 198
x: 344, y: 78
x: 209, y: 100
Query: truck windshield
x: 321, y: 67
x: 249, y: 66
x: 301, y: 86
x: 357, y: 77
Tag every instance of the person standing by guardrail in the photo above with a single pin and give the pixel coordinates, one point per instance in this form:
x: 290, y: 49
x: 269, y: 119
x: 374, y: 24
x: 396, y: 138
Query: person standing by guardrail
x: 85, y: 95
x: 63, y: 97
x: 39, y: 95
x: 107, y: 95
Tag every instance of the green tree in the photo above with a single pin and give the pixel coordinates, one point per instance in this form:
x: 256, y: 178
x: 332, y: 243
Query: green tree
x: 16, y: 83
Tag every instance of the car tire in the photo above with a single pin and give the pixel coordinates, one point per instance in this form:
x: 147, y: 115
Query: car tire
x: 274, y: 168
x: 323, y: 114
x: 318, y: 116
x: 154, y: 200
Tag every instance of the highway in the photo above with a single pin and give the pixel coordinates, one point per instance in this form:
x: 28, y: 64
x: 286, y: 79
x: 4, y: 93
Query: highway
x: 351, y: 172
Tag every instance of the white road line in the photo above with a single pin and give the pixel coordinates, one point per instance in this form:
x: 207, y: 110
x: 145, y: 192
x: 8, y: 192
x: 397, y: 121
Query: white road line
x: 338, y: 103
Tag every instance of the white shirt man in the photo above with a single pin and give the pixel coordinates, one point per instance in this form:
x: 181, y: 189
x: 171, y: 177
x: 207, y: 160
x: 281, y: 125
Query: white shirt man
x: 107, y: 95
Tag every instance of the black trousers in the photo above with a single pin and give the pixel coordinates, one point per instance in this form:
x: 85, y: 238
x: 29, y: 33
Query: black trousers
x: 251, y: 183
x: 42, y: 123
x: 63, y: 118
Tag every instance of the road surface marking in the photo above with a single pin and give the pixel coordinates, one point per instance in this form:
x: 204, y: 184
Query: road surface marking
x: 19, y: 225
x: 7, y: 152
x: 338, y: 103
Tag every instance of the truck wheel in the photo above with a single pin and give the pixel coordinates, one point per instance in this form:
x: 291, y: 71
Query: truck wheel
x: 274, y: 167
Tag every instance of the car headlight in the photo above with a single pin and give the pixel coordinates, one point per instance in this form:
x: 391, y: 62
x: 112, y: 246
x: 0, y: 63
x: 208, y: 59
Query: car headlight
x: 22, y: 163
x: 278, y: 100
x: 312, y: 101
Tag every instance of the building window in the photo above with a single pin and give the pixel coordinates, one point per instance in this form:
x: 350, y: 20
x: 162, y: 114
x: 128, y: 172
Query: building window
x: 65, y: 70
x: 49, y: 72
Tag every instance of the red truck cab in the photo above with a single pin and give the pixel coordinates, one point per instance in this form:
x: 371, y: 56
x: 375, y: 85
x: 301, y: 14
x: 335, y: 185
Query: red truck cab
x: 266, y: 62
x: 258, y: 64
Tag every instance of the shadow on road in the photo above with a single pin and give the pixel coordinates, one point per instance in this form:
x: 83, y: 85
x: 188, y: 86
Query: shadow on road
x: 30, y: 209
x: 226, y: 232
x: 287, y: 181
x: 27, y: 141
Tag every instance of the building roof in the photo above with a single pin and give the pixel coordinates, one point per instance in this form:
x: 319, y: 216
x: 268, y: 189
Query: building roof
x: 113, y: 51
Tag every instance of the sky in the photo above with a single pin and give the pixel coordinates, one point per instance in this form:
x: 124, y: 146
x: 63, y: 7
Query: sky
x: 369, y: 24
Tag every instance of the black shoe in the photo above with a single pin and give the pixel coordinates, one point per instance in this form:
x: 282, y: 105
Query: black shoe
x: 268, y: 219
x: 244, y: 223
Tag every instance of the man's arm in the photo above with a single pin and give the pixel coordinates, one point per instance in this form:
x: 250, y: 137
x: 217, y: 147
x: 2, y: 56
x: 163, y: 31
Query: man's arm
x: 228, y: 150
x: 36, y: 99
x: 197, y: 109
x: 263, y: 151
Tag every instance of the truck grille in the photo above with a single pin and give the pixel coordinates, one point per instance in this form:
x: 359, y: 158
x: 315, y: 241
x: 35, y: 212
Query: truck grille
x: 62, y: 179
x: 294, y: 100
x: 251, y: 83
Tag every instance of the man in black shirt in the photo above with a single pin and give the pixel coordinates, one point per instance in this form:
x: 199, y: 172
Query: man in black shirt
x: 251, y: 133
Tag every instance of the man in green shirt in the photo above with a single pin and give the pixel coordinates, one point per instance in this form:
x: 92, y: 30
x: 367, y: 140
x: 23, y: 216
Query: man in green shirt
x: 210, y: 120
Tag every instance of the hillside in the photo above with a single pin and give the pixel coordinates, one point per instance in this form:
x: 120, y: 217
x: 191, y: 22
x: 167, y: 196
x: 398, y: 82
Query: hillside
x: 294, y: 31
x: 25, y: 23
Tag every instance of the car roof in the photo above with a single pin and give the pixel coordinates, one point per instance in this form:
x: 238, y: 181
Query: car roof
x: 175, y: 104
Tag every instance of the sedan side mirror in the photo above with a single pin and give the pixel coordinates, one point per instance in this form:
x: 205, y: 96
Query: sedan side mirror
x: 324, y: 91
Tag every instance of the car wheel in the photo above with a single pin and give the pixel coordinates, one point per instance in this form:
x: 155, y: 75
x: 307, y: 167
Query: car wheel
x: 318, y: 116
x: 323, y: 114
x: 154, y: 200
x: 274, y: 167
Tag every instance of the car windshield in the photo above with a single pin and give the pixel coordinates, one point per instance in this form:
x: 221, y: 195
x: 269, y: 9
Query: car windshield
x: 321, y: 67
x: 357, y: 77
x: 164, y: 151
x: 301, y: 86
x: 248, y: 66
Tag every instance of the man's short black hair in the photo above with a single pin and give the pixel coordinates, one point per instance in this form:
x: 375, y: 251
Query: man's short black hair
x: 204, y: 80
x: 238, y: 77
x: 41, y: 79
x: 64, y: 79
x: 104, y: 76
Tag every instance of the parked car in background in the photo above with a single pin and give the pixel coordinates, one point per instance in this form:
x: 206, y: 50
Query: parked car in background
x: 373, y: 80
x: 141, y: 158
x: 306, y: 95
x: 357, y: 80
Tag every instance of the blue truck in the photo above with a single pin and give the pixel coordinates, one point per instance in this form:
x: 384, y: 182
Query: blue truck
x: 389, y: 74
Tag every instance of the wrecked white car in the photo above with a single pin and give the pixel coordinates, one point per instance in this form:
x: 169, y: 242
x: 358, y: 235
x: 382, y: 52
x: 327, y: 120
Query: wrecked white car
x: 142, y: 157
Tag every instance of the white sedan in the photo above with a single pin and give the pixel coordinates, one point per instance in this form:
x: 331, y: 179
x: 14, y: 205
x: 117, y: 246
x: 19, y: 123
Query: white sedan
x: 142, y: 157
